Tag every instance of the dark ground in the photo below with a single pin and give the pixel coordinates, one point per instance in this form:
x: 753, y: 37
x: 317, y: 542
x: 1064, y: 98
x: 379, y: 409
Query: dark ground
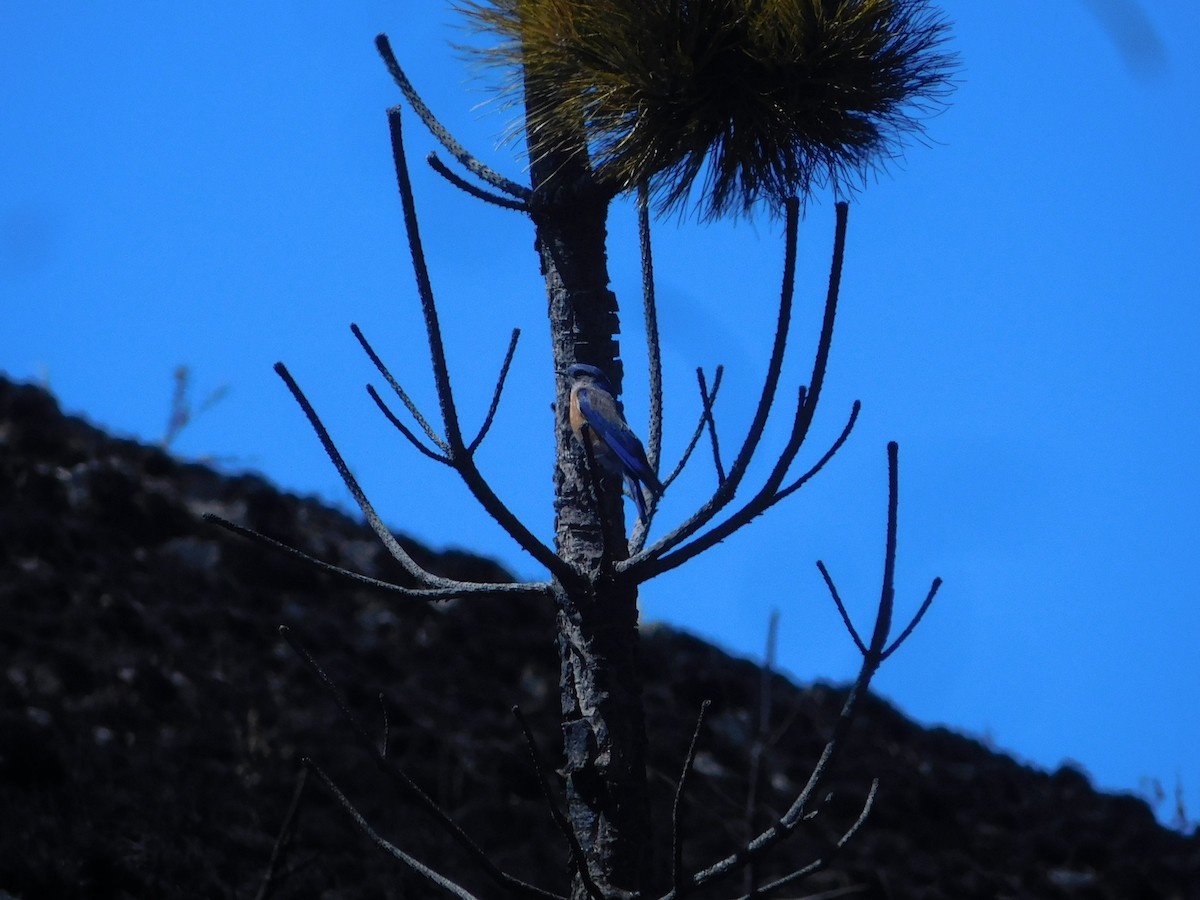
x: 152, y: 720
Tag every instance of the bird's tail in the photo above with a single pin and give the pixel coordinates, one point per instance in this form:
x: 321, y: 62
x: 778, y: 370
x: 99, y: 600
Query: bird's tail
x: 639, y: 498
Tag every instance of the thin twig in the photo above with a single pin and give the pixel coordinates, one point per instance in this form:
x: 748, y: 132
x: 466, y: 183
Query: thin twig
x: 400, y: 392
x: 767, y: 496
x: 872, y: 658
x: 469, y: 162
x: 283, y: 839
x: 479, y: 193
x: 578, y: 857
x: 491, y: 413
x: 381, y: 530
x: 386, y: 732
x: 895, y: 645
x: 712, y: 426
x: 391, y: 849
x: 825, y: 861
x: 433, y: 328
x: 841, y: 608
x: 650, y: 314
x: 758, y: 746
x: 829, y: 454
x: 706, y: 405
x: 656, y: 559
x: 677, y: 806
x: 726, y: 490
x: 410, y: 787
x: 458, y: 589
x: 405, y: 430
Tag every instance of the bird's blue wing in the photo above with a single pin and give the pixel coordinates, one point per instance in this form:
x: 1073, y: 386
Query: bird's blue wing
x: 600, y: 412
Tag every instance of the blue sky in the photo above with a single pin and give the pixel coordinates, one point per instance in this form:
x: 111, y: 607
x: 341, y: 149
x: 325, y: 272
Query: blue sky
x: 211, y: 185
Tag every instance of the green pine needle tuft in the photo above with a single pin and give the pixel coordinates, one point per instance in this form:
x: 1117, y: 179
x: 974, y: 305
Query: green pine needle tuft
x: 749, y: 100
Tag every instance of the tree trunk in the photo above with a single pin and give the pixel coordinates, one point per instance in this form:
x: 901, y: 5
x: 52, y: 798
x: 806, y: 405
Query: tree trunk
x: 603, y: 728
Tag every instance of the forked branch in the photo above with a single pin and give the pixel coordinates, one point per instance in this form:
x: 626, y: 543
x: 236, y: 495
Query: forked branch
x: 874, y: 654
x: 657, y: 558
x: 478, y: 193
x: 387, y: 846
x: 726, y: 489
x: 455, y: 590
x: 438, y: 130
x: 503, y: 880
x: 578, y: 857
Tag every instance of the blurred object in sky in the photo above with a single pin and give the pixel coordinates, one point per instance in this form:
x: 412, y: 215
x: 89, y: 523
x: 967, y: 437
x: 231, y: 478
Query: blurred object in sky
x: 1133, y: 33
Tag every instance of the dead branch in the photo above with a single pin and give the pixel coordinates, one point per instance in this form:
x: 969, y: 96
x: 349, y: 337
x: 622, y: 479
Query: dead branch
x: 478, y: 193
x: 391, y: 849
x: 454, y: 590
x: 578, y: 857
x: 726, y: 490
x: 657, y: 558
x: 873, y: 656
x: 283, y: 840
x: 411, y: 789
x: 438, y: 130
x: 500, y: 379
x: 677, y: 806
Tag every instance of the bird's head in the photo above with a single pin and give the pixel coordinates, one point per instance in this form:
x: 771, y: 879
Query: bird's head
x: 581, y: 372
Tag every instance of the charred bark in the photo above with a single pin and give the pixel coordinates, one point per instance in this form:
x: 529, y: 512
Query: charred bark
x: 603, y: 729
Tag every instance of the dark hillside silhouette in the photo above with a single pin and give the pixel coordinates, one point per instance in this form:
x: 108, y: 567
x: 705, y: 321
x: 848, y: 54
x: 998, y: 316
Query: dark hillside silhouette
x: 152, y: 719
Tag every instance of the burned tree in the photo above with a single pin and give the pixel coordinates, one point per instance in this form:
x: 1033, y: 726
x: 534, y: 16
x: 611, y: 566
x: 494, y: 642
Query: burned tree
x: 722, y: 105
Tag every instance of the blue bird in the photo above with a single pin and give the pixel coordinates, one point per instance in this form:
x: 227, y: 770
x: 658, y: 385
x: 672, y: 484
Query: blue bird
x: 596, y: 417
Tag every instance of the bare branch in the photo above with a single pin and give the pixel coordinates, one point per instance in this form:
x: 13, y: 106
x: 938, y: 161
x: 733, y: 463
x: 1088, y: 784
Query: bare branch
x: 841, y: 608
x: 404, y: 429
x: 775, y: 364
x: 824, y: 862
x: 389, y: 541
x: 469, y: 162
x: 650, y: 314
x: 895, y: 645
x: 400, y: 392
x: 458, y: 589
x: 887, y: 598
x: 726, y: 490
x: 677, y: 807
x: 790, y: 820
x: 652, y: 561
x: 506, y: 519
x: 433, y: 329
x: 761, y: 502
x: 457, y: 451
x: 479, y: 193
x: 470, y: 475
x: 391, y: 849
x: 872, y: 658
x: 578, y: 857
x: 491, y: 413
x: 410, y: 787
x: 758, y: 746
x: 284, y: 838
x: 706, y: 405
x: 712, y: 426
x: 641, y: 530
x: 829, y: 454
